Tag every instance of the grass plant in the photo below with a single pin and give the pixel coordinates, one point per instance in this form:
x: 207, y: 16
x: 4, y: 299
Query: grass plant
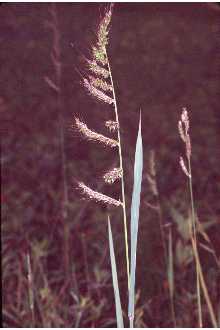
x: 183, y: 126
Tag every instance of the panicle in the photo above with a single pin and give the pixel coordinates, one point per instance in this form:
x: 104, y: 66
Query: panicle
x: 91, y: 135
x: 113, y: 175
x: 98, y: 197
x: 97, y: 93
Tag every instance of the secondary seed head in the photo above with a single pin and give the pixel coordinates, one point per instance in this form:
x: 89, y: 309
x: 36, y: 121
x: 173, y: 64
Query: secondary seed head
x: 98, y: 197
x: 97, y: 93
x: 92, y: 135
x: 113, y: 175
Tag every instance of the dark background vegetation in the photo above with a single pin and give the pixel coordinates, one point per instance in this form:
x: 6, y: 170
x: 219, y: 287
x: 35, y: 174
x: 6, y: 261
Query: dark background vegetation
x: 163, y: 57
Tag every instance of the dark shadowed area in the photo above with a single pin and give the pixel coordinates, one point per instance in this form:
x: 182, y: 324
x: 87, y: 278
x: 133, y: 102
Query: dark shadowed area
x: 163, y: 57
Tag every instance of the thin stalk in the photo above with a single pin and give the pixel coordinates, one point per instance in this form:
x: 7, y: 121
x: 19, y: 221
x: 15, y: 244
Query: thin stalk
x: 196, y: 248
x: 171, y: 277
x: 199, y: 273
x: 56, y: 60
x: 153, y: 180
x: 121, y: 166
x: 30, y: 290
x: 204, y: 287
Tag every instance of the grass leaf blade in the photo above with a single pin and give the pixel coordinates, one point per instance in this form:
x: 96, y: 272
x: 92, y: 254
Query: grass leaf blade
x: 119, y: 317
x: 135, y: 206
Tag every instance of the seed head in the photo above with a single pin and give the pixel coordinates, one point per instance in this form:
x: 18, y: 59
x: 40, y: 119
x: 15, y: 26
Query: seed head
x: 103, y: 29
x: 98, y: 197
x: 113, y: 175
x: 98, y: 70
x: 99, y: 55
x: 92, y: 135
x: 97, y: 93
x: 99, y: 83
x: 99, y: 51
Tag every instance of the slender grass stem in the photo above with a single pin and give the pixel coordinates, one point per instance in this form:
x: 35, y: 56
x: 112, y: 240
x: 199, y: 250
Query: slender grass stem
x: 56, y: 60
x: 204, y: 287
x: 196, y: 248
x: 121, y: 166
x: 168, y: 257
x: 199, y: 273
x: 171, y: 277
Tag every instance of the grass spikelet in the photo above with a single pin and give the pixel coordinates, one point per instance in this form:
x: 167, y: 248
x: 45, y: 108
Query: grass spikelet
x: 183, y: 166
x: 97, y: 93
x: 103, y: 29
x: 113, y: 175
x: 98, y: 197
x: 181, y: 131
x: 99, y: 55
x: 99, y: 83
x: 91, y: 135
x: 99, y: 52
x: 112, y: 125
x: 97, y: 69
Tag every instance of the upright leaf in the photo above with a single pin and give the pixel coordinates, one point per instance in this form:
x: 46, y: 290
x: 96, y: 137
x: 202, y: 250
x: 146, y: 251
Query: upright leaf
x: 135, y: 206
x: 118, y: 309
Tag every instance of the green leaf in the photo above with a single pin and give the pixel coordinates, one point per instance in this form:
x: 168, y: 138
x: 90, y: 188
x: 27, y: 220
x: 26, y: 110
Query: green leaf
x: 119, y: 317
x: 135, y: 206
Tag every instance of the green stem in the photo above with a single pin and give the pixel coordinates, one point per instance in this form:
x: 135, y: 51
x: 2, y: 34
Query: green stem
x: 121, y: 167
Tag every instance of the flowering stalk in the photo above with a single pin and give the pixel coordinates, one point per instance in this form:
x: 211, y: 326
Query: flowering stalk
x: 101, y: 87
x: 122, y: 179
x: 183, y: 127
